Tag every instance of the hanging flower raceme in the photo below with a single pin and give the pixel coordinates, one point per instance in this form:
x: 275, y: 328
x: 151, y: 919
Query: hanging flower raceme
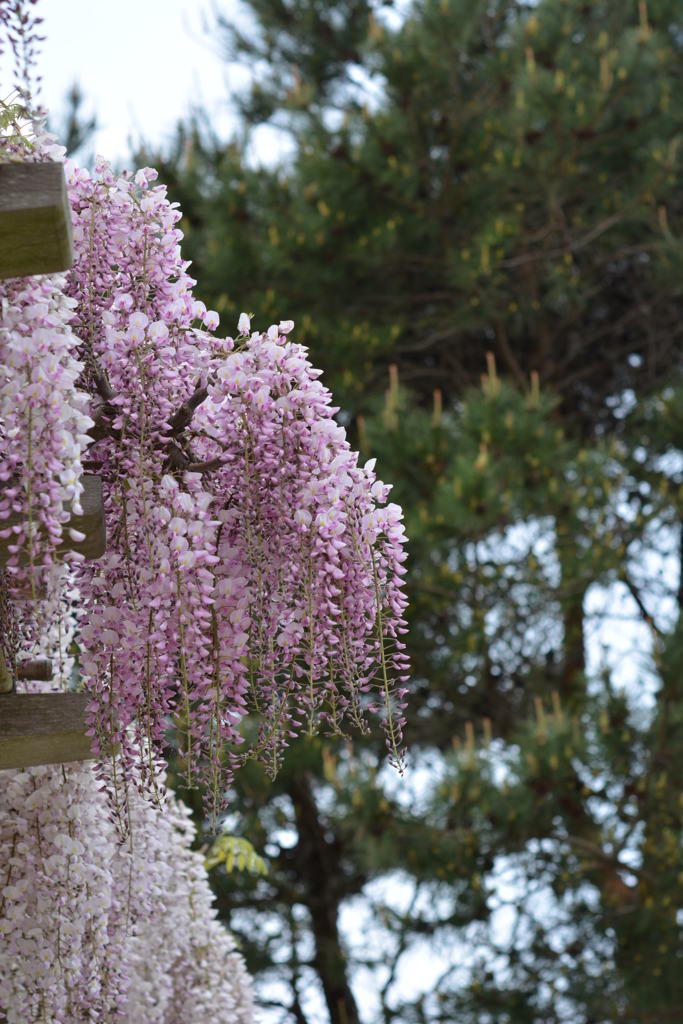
x: 253, y: 572
x: 92, y: 929
x: 253, y: 568
x: 252, y: 565
x: 43, y: 424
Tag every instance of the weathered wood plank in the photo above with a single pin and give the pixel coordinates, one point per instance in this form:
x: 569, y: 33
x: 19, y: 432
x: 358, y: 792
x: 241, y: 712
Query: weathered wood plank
x: 25, y: 592
x: 91, y: 523
x: 35, y: 668
x: 43, y: 728
x: 36, y: 235
x: 26, y: 668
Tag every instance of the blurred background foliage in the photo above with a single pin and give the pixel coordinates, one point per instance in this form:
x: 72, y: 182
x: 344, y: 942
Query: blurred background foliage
x: 479, y: 233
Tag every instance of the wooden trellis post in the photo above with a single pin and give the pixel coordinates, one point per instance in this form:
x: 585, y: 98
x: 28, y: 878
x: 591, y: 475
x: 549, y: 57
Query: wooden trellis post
x: 42, y: 728
x: 36, y: 238
x: 35, y: 221
x: 49, y: 728
x: 90, y: 523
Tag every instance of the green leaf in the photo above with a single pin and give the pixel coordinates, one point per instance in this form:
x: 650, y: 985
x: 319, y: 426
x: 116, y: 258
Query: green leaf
x: 226, y: 849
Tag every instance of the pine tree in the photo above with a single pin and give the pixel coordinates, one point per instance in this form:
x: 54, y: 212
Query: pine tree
x: 541, y: 851
x: 505, y: 179
x: 501, y: 176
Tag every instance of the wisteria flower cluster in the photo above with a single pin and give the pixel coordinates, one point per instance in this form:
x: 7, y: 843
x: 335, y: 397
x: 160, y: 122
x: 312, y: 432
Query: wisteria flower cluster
x: 251, y: 590
x: 43, y: 422
x: 19, y: 27
x: 252, y: 566
x: 92, y: 929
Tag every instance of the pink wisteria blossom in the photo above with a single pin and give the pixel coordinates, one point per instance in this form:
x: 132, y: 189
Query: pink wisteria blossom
x: 251, y: 591
x: 253, y: 567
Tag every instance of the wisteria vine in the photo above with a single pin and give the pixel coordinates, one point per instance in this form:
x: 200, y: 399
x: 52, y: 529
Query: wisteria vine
x: 251, y: 590
x: 253, y: 568
x: 93, y: 929
x: 252, y: 565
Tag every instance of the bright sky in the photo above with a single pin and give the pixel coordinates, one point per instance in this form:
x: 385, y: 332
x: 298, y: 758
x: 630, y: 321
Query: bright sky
x: 141, y: 64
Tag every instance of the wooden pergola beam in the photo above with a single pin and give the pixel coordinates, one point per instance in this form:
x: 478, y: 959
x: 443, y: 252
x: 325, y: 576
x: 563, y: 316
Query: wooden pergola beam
x: 35, y: 668
x: 43, y: 728
x: 36, y: 236
x: 49, y: 728
x: 91, y: 523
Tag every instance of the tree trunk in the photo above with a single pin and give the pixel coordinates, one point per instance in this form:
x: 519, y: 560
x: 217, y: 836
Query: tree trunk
x: 572, y: 592
x: 318, y: 859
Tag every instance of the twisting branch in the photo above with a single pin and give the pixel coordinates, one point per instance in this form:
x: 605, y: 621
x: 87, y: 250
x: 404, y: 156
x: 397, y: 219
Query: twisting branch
x: 101, y: 408
x: 104, y: 388
x: 182, y: 419
x: 181, y: 461
x: 207, y: 466
x: 180, y: 458
x: 177, y: 460
x: 102, y: 412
